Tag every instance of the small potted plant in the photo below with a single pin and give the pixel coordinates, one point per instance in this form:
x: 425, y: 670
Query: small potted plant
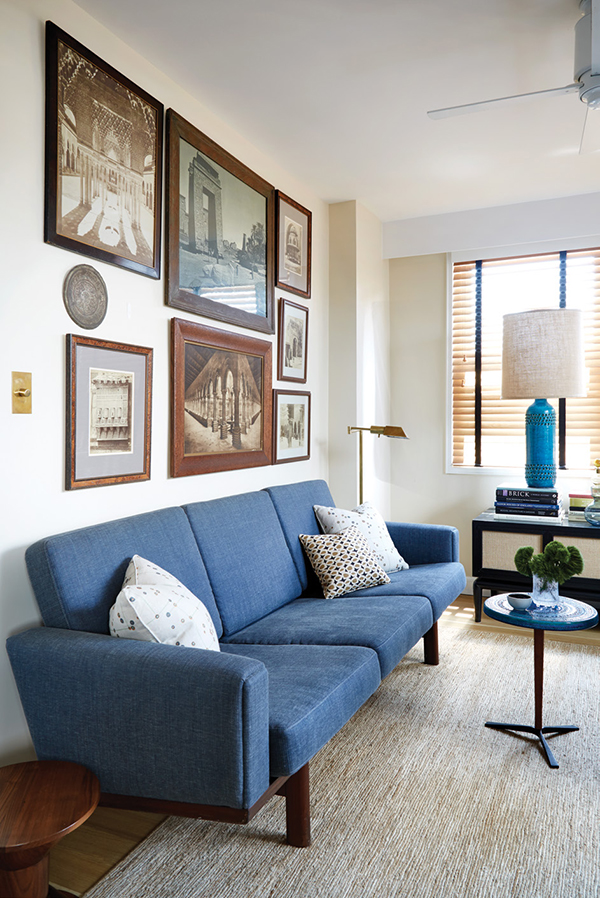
x: 550, y: 569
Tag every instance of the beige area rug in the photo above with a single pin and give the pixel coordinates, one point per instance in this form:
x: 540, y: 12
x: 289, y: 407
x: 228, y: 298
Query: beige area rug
x: 415, y: 798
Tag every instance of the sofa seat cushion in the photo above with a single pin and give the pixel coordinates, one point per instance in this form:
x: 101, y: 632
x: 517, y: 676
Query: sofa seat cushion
x: 313, y: 692
x: 249, y: 565
x: 386, y: 624
x: 440, y: 583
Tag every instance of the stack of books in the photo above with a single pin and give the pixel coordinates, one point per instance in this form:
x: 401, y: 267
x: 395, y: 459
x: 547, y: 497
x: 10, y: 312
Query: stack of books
x: 577, y: 503
x: 527, y: 503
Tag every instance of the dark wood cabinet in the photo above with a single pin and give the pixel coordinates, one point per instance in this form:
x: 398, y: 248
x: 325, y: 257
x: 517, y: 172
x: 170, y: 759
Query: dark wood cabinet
x: 495, y: 543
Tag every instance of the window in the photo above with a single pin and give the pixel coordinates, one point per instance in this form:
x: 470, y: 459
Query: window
x: 488, y: 431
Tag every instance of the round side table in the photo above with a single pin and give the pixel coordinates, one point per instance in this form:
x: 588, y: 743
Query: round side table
x: 567, y: 614
x: 40, y: 802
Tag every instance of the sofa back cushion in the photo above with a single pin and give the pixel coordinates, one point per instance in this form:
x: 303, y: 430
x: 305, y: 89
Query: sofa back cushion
x: 77, y: 576
x: 294, y: 506
x: 248, y: 562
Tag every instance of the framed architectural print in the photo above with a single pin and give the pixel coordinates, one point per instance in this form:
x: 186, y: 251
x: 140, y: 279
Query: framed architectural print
x: 220, y: 232
x: 292, y: 341
x: 221, y: 403
x: 103, y: 159
x: 291, y: 431
x: 109, y: 412
x: 293, y: 246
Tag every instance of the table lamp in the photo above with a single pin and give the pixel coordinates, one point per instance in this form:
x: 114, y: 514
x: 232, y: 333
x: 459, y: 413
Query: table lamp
x: 396, y: 433
x: 542, y: 355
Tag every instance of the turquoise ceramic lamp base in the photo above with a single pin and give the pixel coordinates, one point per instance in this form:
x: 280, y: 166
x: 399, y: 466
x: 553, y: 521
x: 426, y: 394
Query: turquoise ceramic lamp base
x: 540, y: 436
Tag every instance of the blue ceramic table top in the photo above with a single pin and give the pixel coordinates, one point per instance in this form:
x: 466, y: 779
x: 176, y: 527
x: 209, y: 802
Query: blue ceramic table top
x: 567, y: 614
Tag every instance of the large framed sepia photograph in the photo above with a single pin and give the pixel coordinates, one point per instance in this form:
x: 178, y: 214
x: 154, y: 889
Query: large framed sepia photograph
x: 109, y: 412
x: 294, y: 246
x: 291, y: 429
x: 103, y: 159
x: 220, y: 232
x: 221, y: 403
x: 292, y: 341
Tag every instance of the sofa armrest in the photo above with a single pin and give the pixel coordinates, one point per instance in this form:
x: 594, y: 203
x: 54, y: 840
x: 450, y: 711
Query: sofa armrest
x: 149, y: 720
x: 425, y: 543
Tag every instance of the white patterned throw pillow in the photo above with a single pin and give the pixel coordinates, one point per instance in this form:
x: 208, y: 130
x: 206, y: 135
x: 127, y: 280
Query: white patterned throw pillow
x: 154, y: 606
x: 371, y: 525
x: 343, y: 562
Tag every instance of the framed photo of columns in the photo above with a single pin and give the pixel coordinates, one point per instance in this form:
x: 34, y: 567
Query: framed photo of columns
x: 220, y: 232
x: 291, y: 431
x: 103, y: 159
x: 292, y: 341
x: 109, y: 412
x: 221, y: 402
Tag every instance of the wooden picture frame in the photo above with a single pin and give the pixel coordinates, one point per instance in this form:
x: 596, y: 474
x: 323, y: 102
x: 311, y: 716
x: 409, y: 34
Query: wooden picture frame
x: 103, y: 168
x: 221, y: 255
x: 294, y: 246
x: 291, y: 427
x: 292, y: 343
x: 109, y: 412
x: 221, y: 400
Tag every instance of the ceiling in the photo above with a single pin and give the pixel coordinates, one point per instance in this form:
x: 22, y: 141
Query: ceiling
x: 336, y: 91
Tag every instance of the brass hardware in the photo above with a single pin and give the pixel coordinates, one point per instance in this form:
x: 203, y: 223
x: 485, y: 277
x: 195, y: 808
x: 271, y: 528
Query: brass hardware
x: 21, y: 392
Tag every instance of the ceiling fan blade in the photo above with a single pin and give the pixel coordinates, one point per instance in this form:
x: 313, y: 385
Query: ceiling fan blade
x: 489, y: 104
x: 590, y: 136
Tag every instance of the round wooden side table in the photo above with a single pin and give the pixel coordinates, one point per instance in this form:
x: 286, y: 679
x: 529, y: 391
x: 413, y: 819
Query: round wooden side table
x: 40, y: 802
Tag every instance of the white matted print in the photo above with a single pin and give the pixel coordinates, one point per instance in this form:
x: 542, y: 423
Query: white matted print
x: 292, y: 343
x: 294, y: 226
x: 291, y: 431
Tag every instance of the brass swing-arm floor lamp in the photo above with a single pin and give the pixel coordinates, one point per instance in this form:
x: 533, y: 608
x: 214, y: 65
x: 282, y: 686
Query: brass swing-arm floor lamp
x: 396, y: 433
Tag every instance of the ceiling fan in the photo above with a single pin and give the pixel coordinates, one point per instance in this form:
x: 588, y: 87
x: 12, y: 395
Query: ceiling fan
x: 587, y: 74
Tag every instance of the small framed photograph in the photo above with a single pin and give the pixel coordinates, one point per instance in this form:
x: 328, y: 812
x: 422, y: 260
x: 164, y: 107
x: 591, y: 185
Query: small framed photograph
x: 291, y: 431
x: 221, y: 404
x: 293, y: 246
x: 103, y: 159
x: 220, y: 232
x: 293, y: 341
x: 109, y: 410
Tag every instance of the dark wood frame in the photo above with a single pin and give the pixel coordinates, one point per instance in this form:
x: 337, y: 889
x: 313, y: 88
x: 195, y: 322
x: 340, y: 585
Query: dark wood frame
x: 51, y: 236
x: 295, y: 788
x: 300, y: 285
x: 276, y: 395
x: 72, y: 482
x: 183, y: 332
x: 178, y: 127
x: 283, y: 305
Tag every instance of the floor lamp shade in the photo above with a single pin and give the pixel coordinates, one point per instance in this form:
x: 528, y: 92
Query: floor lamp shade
x: 542, y: 356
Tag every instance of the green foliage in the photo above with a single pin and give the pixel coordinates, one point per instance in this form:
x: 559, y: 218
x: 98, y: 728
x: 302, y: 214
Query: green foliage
x: 556, y: 562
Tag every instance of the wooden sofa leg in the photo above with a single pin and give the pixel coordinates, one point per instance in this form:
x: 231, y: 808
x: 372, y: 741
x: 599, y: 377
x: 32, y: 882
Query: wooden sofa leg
x: 297, y: 808
x: 431, y: 646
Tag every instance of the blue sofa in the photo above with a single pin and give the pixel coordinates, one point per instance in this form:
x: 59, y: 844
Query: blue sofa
x: 216, y: 734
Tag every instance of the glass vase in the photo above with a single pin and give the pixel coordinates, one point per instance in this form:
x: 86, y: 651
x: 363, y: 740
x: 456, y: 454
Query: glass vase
x: 545, y: 593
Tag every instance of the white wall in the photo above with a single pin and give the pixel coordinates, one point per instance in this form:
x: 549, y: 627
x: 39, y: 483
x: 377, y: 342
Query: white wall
x: 33, y: 324
x: 359, y: 389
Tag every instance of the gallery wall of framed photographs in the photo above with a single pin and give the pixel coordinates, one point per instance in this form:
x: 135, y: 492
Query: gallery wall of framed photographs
x: 237, y: 252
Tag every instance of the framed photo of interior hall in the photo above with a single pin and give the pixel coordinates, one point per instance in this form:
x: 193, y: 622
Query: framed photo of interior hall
x: 292, y: 341
x: 221, y: 403
x: 109, y: 410
x: 220, y: 232
x: 291, y: 430
x: 294, y: 250
x: 103, y: 159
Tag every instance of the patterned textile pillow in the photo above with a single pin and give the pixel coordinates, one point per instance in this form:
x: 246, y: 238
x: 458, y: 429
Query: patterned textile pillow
x: 343, y: 562
x: 154, y: 606
x: 371, y: 525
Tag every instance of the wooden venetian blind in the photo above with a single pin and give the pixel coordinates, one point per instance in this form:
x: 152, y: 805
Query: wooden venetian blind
x: 489, y: 431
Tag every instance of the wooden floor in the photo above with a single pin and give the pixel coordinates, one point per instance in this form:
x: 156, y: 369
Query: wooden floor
x: 87, y: 854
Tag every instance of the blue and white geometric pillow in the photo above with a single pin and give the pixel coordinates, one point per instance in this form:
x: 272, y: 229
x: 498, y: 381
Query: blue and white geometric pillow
x: 153, y: 606
x: 372, y: 526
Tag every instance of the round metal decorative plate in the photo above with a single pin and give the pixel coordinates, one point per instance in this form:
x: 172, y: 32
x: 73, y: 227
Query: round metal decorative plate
x: 85, y: 296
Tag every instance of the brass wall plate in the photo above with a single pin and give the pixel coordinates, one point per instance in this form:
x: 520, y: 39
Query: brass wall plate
x: 21, y: 392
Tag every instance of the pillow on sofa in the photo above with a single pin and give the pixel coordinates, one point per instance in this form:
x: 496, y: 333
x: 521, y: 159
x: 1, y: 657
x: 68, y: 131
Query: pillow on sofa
x: 343, y: 562
x: 154, y: 606
x: 371, y: 525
